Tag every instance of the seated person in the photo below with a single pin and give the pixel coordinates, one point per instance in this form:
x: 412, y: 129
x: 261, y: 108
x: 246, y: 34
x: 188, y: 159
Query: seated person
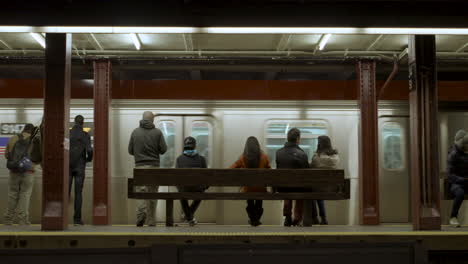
x: 190, y: 159
x: 252, y: 158
x: 457, y: 171
x: 324, y: 158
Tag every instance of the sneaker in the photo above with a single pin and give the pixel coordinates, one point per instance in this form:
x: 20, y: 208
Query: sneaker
x: 296, y: 223
x: 324, y: 221
x: 287, y: 220
x: 454, y: 222
x: 78, y: 223
x: 193, y: 222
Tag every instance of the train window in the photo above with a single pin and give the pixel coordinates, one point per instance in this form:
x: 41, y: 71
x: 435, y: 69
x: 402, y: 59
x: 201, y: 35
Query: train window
x: 392, y: 146
x: 276, y: 136
x: 201, y: 131
x: 168, y: 129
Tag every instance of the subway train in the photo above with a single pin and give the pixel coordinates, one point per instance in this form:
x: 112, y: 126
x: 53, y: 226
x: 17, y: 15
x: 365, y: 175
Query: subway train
x: 222, y: 127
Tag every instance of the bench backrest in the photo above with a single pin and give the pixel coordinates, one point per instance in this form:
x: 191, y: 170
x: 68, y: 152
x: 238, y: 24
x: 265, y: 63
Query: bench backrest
x: 238, y: 177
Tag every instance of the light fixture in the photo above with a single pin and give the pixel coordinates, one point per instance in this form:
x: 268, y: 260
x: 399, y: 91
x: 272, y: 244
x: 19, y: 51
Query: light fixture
x: 39, y: 38
x: 323, y: 41
x: 237, y: 30
x: 136, y: 40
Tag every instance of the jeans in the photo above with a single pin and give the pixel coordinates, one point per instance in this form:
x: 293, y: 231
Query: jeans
x: 458, y: 190
x: 20, y: 186
x: 78, y: 174
x: 321, y: 207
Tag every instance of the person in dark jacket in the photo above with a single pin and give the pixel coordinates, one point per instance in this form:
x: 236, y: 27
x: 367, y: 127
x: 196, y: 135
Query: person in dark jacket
x: 190, y: 159
x: 291, y: 156
x: 252, y: 158
x: 146, y: 144
x: 81, y: 152
x: 457, y: 171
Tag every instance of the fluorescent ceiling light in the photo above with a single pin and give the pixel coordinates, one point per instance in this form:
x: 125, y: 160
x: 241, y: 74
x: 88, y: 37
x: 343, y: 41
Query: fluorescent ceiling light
x: 39, y: 38
x: 323, y: 41
x: 136, y: 40
x: 237, y: 30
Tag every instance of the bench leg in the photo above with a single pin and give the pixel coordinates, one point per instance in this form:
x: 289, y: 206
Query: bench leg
x: 169, y: 212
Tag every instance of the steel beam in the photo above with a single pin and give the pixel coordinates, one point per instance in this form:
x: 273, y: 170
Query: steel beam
x: 95, y: 42
x: 101, y: 165
x: 283, y: 42
x: 188, y: 42
x: 56, y: 131
x: 6, y: 45
x: 462, y: 48
x: 424, y: 133
x: 375, y: 42
x: 368, y: 147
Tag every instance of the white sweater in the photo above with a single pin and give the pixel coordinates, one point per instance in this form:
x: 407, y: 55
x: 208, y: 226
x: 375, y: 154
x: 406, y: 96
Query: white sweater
x: 324, y: 161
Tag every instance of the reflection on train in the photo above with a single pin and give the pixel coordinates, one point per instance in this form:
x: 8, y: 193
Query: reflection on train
x: 222, y: 127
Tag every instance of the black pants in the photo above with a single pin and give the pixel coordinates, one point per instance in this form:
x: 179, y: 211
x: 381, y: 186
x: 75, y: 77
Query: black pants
x: 79, y: 175
x: 189, y: 209
x: 321, y: 207
x: 457, y: 190
x: 254, y: 209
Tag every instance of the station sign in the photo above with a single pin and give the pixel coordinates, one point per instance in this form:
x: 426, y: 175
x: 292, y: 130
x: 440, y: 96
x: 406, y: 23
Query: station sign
x: 11, y: 128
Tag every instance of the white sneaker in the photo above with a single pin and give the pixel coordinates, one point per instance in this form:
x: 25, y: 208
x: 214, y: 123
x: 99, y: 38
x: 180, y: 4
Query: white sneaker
x: 454, y: 222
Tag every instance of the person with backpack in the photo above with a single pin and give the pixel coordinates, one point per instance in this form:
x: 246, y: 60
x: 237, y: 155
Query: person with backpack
x: 190, y: 159
x: 21, y: 179
x: 146, y: 145
x: 81, y: 152
x: 253, y: 158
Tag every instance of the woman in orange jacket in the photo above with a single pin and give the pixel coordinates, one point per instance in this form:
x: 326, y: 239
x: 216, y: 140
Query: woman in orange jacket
x: 253, y: 158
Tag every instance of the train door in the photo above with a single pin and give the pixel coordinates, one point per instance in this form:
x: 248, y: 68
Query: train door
x: 175, y: 128
x: 394, y: 161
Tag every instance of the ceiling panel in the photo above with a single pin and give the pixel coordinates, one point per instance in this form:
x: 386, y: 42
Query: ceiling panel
x: 19, y: 41
x: 236, y: 41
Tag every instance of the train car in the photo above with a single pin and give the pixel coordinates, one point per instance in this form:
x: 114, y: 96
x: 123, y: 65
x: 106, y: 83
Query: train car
x: 221, y: 129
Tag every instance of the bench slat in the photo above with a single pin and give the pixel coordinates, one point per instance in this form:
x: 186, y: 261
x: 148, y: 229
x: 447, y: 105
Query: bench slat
x: 238, y: 177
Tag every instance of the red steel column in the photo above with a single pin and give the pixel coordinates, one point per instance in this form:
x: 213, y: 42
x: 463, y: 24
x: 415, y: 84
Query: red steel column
x: 424, y: 133
x: 56, y: 131
x: 368, y: 148
x: 101, y: 168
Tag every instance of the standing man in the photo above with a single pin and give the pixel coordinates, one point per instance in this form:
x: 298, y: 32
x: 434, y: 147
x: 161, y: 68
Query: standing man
x: 291, y: 156
x: 21, y: 179
x: 146, y: 144
x: 81, y: 152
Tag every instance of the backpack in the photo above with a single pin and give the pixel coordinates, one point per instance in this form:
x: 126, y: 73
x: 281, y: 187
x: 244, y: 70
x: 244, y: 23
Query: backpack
x: 77, y: 147
x: 19, y: 160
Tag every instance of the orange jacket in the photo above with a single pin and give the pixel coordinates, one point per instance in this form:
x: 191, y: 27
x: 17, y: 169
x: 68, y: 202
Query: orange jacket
x: 241, y: 164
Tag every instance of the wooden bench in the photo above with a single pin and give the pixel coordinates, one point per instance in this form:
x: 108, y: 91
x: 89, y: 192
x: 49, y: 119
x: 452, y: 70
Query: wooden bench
x: 319, y: 184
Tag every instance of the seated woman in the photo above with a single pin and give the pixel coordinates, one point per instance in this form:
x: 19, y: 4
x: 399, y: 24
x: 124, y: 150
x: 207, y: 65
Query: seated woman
x: 190, y: 159
x: 253, y: 157
x: 457, y: 171
x: 324, y: 158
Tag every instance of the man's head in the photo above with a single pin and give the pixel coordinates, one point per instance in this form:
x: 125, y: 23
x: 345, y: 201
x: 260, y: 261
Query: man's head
x: 79, y: 120
x: 28, y: 128
x: 460, y: 138
x: 148, y: 116
x: 294, y: 135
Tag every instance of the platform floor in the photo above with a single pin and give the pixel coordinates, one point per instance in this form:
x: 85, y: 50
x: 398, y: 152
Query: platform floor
x: 121, y: 236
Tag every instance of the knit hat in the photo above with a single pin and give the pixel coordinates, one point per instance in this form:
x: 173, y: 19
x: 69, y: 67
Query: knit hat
x: 190, y: 143
x: 460, y: 137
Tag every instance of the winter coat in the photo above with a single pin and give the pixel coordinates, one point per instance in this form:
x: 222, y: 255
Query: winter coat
x: 191, y: 160
x: 241, y: 163
x: 291, y: 156
x: 80, y: 141
x: 33, y: 145
x: 146, y: 144
x: 457, y: 165
x: 324, y: 161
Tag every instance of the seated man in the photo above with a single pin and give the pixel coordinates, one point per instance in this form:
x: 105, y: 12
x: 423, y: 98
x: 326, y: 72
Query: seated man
x: 457, y: 171
x: 190, y: 159
x: 291, y: 156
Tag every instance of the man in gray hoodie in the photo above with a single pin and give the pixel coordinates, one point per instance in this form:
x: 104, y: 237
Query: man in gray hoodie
x: 146, y: 144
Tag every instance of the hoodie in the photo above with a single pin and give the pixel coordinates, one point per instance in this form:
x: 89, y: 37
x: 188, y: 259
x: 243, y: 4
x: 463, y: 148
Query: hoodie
x: 191, y: 159
x: 457, y: 162
x: 146, y: 144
